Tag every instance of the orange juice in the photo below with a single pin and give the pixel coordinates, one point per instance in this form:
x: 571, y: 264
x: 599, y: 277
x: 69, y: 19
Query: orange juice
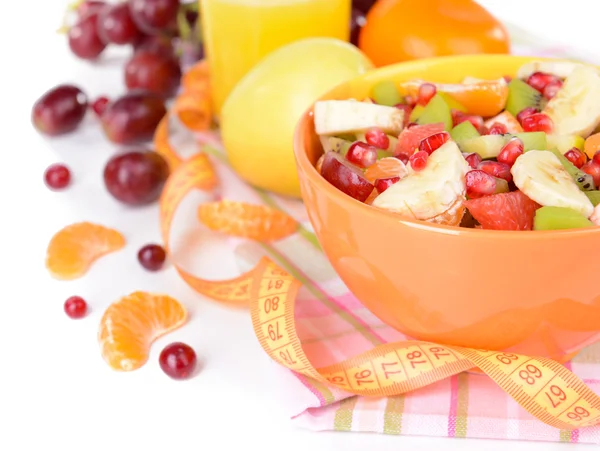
x: 238, y: 33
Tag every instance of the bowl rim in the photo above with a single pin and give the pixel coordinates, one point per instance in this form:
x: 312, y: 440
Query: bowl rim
x: 309, y: 171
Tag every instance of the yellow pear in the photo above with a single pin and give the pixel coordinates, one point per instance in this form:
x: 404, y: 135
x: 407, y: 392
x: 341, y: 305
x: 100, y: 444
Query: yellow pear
x: 259, y: 117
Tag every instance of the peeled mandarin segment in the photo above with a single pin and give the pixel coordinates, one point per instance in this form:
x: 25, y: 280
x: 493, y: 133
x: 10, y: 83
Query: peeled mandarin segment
x: 256, y: 222
x: 484, y: 98
x: 73, y: 249
x: 130, y: 325
x: 194, y: 110
x: 592, y: 145
x: 385, y: 168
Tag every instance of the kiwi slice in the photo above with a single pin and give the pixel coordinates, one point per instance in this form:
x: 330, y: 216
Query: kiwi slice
x: 334, y: 144
x: 584, y: 181
x: 416, y: 113
x: 464, y: 131
x: 559, y: 218
x: 564, y: 143
x: 531, y: 140
x: 452, y: 102
x: 386, y: 93
x: 593, y: 196
x: 521, y: 96
x: 437, y: 110
x: 487, y: 146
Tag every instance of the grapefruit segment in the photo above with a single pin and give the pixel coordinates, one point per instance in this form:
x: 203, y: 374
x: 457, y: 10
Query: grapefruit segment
x: 505, y: 211
x: 410, y: 138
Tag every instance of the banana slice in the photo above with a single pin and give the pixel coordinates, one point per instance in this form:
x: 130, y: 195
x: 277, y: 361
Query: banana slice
x: 334, y: 117
x: 575, y: 109
x: 431, y: 193
x: 542, y: 177
x: 560, y: 69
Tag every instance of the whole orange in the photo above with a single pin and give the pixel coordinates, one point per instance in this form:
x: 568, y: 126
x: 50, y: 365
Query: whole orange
x: 400, y: 30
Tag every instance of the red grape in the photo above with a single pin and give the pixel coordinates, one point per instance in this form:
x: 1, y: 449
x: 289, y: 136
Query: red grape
x: 133, y: 117
x: 154, y: 16
x: 155, y: 43
x: 83, y: 37
x: 136, y: 177
x: 357, y: 21
x: 59, y: 111
x: 152, y: 257
x: 89, y: 6
x: 154, y: 72
x: 57, y: 176
x: 75, y: 307
x: 363, y: 5
x: 116, y: 26
x: 345, y: 176
x: 178, y: 360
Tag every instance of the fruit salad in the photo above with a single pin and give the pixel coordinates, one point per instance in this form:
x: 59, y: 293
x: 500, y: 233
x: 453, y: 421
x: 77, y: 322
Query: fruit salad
x: 520, y: 153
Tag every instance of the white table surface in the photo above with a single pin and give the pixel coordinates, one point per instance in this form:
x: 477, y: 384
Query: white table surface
x: 55, y: 390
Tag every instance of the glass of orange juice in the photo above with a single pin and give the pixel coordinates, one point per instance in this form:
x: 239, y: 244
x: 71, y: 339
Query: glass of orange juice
x: 238, y: 33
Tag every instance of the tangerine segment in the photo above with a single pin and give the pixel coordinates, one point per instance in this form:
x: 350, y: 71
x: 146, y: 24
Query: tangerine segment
x: 73, y: 249
x: 130, y: 325
x: 484, y: 98
x: 385, y: 168
x: 592, y: 145
x: 256, y: 222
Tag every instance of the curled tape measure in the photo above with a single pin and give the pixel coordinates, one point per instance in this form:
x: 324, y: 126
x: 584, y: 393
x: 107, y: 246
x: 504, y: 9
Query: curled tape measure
x: 543, y: 387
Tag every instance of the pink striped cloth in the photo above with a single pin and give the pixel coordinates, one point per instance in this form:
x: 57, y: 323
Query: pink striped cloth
x: 333, y: 325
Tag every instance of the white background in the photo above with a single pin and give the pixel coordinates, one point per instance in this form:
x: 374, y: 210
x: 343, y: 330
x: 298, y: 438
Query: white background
x: 55, y: 390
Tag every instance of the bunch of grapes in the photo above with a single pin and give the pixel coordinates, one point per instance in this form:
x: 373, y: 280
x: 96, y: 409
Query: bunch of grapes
x: 162, y: 35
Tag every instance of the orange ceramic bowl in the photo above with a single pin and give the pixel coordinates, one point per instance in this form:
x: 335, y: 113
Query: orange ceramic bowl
x: 535, y: 293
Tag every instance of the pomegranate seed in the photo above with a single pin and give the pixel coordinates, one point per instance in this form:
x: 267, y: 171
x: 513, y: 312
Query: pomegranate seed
x: 479, y: 184
x: 539, y: 80
x: 538, y: 122
x: 57, y: 176
x: 402, y: 157
x: 407, y: 110
x: 362, y: 154
x: 497, y: 128
x: 178, y: 360
x: 418, y: 160
x: 75, y: 307
x: 426, y: 92
x: 500, y: 170
x: 512, y: 150
x: 382, y: 184
x: 459, y: 117
x: 100, y: 105
x: 410, y: 101
x: 411, y: 125
x: 596, y: 157
x: 576, y: 157
x: 376, y: 137
x: 592, y: 168
x: 526, y: 112
x: 434, y: 142
x: 152, y: 257
x: 552, y: 88
x: 473, y: 159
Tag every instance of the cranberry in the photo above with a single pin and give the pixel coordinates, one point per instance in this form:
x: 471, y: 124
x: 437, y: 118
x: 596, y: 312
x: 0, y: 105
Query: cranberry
x: 57, y: 176
x: 473, y: 159
x: 539, y: 80
x: 418, y: 160
x: 75, y: 307
x: 152, y: 257
x: 426, y: 92
x: 434, y: 142
x: 552, y: 88
x: 497, y: 128
x: 512, y: 150
x: 376, y: 137
x: 407, y: 110
x: 382, y: 184
x: 526, y: 112
x: 362, y: 154
x: 592, y: 168
x: 178, y: 360
x: 479, y: 184
x: 538, y: 122
x: 100, y: 105
x: 496, y: 169
x: 576, y: 157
